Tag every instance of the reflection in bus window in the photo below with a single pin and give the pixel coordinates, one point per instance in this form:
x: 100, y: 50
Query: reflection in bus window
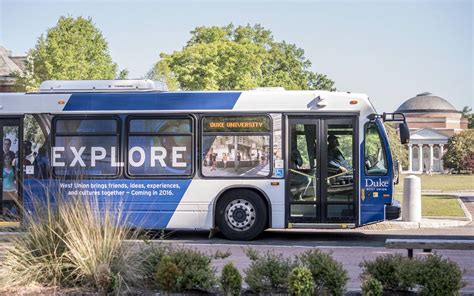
x: 375, y: 161
x: 9, y: 155
x: 228, y: 156
x: 160, y: 147
x: 35, y: 145
x: 81, y: 150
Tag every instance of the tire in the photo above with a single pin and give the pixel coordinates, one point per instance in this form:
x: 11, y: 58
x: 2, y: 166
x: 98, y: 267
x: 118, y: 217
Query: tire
x: 241, y: 214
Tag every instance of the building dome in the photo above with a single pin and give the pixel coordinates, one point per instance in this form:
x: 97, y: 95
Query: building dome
x: 427, y: 103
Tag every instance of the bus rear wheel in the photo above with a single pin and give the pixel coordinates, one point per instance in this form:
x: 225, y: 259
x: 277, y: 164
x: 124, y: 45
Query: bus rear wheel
x: 241, y: 214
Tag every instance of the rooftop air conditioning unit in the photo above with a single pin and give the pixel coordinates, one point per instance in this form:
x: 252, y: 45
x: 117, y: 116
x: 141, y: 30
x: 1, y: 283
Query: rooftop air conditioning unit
x: 54, y: 86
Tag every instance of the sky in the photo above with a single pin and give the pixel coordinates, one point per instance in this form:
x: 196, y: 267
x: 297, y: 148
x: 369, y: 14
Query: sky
x: 390, y: 50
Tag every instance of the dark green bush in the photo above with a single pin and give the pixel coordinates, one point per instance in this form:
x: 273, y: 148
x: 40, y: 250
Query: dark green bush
x: 184, y: 269
x: 439, y: 276
x: 231, y: 280
x: 394, y: 272
x: 167, y: 274
x: 433, y: 275
x: 268, y: 273
x: 300, y: 282
x: 328, y: 274
x: 371, y: 287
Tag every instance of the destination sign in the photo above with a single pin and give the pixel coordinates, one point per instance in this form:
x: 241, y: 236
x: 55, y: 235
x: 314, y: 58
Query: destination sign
x: 236, y: 124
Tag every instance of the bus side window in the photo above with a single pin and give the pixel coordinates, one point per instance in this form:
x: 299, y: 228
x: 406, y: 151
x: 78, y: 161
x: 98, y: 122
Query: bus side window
x: 86, y: 146
x: 375, y: 161
x: 236, y: 146
x: 161, y: 146
x: 35, y: 145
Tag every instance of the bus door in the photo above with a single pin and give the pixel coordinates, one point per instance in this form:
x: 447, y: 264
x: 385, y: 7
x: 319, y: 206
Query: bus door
x: 321, y: 174
x: 10, y: 132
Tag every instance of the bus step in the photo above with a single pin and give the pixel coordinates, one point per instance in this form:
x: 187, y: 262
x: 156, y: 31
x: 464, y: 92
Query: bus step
x: 322, y: 225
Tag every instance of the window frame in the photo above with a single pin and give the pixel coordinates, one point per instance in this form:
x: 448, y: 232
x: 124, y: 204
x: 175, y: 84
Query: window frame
x: 192, y: 134
x: 202, y: 134
x: 384, y: 149
x: 118, y: 134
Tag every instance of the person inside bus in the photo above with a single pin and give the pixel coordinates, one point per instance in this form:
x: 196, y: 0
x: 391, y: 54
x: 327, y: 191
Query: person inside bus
x: 337, y: 163
x: 7, y: 144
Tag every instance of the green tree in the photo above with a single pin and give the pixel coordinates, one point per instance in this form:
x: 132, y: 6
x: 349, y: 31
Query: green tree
x: 459, y: 150
x: 237, y: 58
x: 399, y: 152
x: 73, y: 49
x: 467, y: 113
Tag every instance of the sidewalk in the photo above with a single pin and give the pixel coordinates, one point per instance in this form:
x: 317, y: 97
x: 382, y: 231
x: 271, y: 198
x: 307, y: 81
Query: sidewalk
x: 466, y: 201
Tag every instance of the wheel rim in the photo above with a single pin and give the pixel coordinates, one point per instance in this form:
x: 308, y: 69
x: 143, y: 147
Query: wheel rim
x: 240, y: 214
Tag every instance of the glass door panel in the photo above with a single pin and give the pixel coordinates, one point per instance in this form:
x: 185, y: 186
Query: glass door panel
x: 303, y: 170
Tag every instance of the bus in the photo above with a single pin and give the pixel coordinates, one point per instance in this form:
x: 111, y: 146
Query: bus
x: 237, y: 162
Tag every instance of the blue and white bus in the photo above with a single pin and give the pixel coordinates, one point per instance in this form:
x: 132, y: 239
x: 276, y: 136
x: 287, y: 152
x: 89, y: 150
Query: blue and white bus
x: 238, y: 162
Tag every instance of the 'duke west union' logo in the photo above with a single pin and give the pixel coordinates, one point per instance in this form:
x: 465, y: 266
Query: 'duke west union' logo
x: 369, y: 183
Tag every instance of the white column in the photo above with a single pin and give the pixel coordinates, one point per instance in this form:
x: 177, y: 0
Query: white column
x: 431, y: 158
x: 410, y: 158
x: 420, y: 158
x: 441, y: 153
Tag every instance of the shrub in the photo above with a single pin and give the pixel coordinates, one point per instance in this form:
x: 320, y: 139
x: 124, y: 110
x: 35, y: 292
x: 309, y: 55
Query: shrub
x: 167, y: 274
x: 268, y: 273
x: 328, y: 274
x: 394, y: 272
x: 301, y: 282
x: 74, y: 242
x: 189, y: 270
x: 371, y: 287
x: 231, y: 280
x: 439, y: 276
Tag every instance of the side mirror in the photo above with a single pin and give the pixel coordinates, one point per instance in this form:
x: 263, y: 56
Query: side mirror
x: 404, y: 133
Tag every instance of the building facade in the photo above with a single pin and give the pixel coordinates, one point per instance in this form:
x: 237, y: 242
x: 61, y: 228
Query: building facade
x: 9, y: 65
x: 432, y: 120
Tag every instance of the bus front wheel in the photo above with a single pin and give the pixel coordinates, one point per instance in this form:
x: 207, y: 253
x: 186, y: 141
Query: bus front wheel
x: 241, y: 214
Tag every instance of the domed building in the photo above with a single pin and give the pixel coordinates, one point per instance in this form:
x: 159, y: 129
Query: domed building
x: 432, y: 120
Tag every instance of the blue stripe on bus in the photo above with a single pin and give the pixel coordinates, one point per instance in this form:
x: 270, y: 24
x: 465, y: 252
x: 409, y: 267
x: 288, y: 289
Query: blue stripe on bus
x: 148, y: 212
x: 152, y: 101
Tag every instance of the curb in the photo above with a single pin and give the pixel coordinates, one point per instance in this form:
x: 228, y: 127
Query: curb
x: 425, y: 223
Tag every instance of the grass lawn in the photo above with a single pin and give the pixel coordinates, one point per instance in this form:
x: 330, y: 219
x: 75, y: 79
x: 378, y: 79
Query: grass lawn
x: 438, y: 206
x: 442, y: 182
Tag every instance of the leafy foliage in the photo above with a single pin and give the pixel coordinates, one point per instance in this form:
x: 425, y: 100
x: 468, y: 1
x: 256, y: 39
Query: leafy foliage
x: 328, y: 274
x: 371, y: 287
x: 73, y: 49
x: 399, y: 152
x: 394, y: 272
x: 231, y: 280
x: 268, y: 273
x: 439, y: 276
x: 434, y: 275
x: 467, y: 113
x: 459, y: 150
x: 184, y: 269
x: 301, y: 282
x: 237, y: 58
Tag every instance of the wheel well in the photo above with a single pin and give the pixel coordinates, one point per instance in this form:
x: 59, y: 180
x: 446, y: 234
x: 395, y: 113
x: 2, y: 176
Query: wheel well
x: 251, y: 188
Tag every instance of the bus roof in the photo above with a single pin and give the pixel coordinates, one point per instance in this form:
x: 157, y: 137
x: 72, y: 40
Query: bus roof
x: 273, y: 100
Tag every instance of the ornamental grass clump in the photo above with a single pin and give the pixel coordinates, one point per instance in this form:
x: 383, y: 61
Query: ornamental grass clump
x: 71, y: 242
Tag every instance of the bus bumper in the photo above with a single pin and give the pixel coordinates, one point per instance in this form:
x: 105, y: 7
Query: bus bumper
x: 393, y: 211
